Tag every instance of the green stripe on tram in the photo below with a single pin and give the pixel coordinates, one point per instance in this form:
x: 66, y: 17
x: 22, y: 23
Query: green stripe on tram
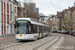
x: 19, y: 21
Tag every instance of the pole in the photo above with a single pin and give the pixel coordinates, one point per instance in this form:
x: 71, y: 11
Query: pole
x: 25, y: 13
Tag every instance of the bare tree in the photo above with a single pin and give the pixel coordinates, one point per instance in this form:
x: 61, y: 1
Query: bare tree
x: 66, y: 22
x: 30, y: 11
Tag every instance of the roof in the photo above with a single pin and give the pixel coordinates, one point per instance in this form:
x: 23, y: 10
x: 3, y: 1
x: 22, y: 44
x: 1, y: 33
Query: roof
x: 34, y: 21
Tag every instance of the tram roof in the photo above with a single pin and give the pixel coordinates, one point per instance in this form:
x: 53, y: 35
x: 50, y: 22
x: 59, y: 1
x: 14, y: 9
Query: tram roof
x: 34, y: 21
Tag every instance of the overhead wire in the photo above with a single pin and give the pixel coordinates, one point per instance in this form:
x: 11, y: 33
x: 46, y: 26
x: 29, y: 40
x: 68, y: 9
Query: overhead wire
x: 44, y: 4
x: 53, y: 5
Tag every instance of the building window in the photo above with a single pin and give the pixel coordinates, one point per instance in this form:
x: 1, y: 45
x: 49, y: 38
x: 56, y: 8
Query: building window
x: 11, y: 0
x: 74, y: 27
x: 1, y: 4
x: 21, y: 13
x: 15, y: 18
x: 57, y: 24
x: 68, y: 11
x: 53, y: 24
x: 42, y: 19
x: 15, y: 9
x: 18, y: 11
x: 7, y: 18
x: 11, y: 18
x: 4, y: 6
x: 11, y: 7
x: 2, y: 16
x: 74, y: 18
x: 7, y: 7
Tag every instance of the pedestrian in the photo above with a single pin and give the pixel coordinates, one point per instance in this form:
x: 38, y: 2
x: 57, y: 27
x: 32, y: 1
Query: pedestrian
x: 50, y: 34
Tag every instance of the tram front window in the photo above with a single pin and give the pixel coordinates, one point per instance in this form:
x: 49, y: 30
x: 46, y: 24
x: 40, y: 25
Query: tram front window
x: 21, y: 28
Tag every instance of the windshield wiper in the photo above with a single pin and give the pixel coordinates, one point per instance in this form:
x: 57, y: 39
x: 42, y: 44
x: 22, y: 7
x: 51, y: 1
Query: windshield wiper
x: 24, y: 31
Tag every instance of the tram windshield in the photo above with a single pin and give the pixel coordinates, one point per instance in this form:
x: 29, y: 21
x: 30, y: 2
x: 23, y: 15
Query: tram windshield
x: 21, y: 28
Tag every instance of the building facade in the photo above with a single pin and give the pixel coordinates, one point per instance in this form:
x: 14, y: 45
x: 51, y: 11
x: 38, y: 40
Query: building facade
x: 67, y: 19
x: 6, y: 16
x: 0, y: 20
x: 55, y: 20
x: 54, y: 23
x: 19, y: 12
x: 57, y: 23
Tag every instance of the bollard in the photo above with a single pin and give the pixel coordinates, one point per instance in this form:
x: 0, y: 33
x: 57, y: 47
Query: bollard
x: 50, y: 34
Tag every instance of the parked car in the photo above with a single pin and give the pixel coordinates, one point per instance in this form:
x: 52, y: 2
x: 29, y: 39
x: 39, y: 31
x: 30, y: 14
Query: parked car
x: 73, y: 33
x: 64, y: 32
x: 53, y: 31
x: 67, y: 32
x: 59, y: 31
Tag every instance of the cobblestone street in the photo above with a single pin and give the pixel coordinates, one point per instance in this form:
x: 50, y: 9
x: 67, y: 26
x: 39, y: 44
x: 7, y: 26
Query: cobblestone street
x: 46, y: 43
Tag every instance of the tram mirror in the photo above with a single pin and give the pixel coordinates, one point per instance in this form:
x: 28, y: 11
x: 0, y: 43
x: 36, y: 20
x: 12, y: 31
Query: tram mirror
x: 14, y: 25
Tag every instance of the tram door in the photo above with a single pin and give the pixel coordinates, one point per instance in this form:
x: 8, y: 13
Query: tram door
x: 40, y: 31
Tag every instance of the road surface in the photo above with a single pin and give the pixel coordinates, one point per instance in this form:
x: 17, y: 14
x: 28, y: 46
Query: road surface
x: 48, y: 43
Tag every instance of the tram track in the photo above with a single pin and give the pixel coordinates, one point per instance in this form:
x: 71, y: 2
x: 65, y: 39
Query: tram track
x: 8, y: 45
x: 40, y: 43
x: 40, y: 47
x: 53, y: 43
x: 32, y: 45
x: 44, y: 43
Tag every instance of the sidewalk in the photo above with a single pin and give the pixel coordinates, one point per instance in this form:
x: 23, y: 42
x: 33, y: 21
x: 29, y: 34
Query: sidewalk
x: 7, y: 35
x: 7, y: 39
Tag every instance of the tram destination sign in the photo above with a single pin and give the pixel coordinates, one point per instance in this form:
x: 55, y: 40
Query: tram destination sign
x: 21, y: 21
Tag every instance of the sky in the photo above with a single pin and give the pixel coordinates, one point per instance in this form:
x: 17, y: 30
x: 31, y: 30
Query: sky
x: 52, y: 6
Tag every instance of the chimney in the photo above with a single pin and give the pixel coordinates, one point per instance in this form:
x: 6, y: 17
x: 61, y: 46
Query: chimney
x: 68, y: 7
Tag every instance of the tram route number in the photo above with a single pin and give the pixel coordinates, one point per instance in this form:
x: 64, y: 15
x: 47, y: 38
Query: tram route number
x: 20, y: 35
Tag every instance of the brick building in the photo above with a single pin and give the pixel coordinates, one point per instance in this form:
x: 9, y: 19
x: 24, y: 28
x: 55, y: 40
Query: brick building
x: 6, y: 17
x: 69, y: 16
x: 19, y: 12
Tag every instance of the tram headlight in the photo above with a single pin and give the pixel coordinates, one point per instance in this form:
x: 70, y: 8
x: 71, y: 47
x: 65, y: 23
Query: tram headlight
x: 16, y: 35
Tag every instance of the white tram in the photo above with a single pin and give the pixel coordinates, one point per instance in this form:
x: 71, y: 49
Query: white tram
x: 30, y: 29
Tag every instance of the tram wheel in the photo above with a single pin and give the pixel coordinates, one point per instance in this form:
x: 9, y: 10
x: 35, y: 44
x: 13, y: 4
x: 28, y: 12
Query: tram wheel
x: 35, y: 38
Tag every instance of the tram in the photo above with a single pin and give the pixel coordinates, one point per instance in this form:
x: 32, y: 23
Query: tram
x: 30, y: 29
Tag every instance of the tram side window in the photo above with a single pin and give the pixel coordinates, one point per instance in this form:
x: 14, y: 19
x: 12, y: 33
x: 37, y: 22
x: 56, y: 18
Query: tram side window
x: 46, y: 29
x: 29, y: 28
x: 40, y: 29
x: 43, y: 29
x: 33, y: 28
